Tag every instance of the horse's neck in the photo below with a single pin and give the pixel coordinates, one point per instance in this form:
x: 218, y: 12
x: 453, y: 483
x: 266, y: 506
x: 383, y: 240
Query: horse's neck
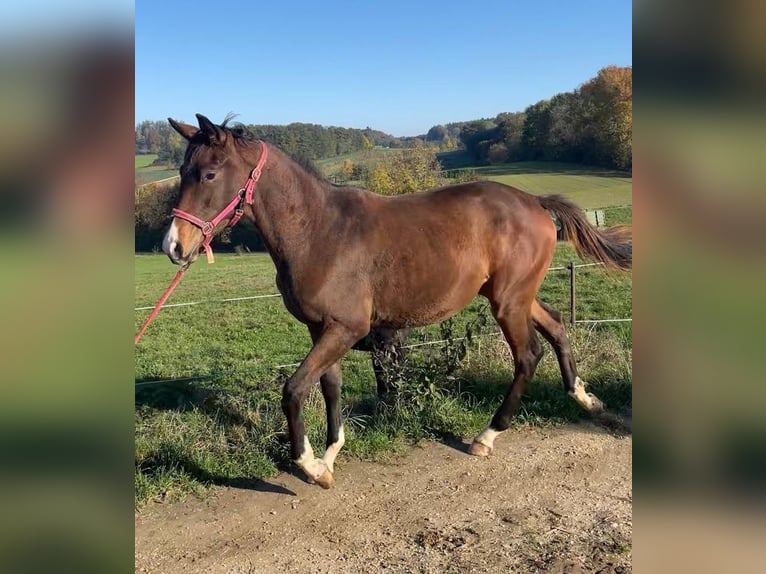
x: 287, y: 206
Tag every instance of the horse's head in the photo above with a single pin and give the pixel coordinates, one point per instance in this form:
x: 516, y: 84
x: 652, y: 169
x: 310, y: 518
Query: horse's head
x: 212, y: 173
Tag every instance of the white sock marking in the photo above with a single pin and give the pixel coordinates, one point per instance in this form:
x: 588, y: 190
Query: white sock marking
x: 487, y: 437
x: 313, y: 467
x: 333, y: 450
x: 587, y: 401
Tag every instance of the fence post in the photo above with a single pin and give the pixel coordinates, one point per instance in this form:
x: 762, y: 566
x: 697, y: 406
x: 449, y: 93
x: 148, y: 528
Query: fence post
x: 572, y: 298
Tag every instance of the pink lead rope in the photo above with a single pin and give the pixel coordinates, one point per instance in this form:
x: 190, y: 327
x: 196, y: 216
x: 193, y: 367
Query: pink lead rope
x: 244, y: 195
x: 159, y: 304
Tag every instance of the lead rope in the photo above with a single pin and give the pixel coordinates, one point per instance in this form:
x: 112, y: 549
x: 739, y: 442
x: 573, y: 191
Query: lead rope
x: 159, y: 304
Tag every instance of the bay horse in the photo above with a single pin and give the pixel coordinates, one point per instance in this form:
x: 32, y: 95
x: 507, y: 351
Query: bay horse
x: 349, y: 262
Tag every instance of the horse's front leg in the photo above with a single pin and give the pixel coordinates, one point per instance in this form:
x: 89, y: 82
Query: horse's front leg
x: 331, y: 384
x: 329, y: 346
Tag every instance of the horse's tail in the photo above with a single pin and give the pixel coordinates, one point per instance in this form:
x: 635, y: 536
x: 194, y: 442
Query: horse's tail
x: 612, y: 246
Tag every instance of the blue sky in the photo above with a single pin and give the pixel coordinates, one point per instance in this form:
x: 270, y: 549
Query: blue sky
x: 400, y: 66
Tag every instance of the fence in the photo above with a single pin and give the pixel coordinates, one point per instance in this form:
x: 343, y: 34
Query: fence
x: 158, y: 181
x: 571, y: 268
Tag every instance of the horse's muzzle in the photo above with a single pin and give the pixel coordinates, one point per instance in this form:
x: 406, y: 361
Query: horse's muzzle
x: 173, y: 248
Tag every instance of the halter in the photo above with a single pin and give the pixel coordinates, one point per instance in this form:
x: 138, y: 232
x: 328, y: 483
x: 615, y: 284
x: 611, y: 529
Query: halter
x: 244, y: 196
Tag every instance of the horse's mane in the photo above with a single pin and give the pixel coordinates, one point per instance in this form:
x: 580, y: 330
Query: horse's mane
x: 245, y: 136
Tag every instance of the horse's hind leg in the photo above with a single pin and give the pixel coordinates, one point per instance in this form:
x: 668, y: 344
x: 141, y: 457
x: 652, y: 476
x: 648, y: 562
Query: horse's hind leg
x: 551, y: 326
x: 388, y: 354
x: 526, y: 349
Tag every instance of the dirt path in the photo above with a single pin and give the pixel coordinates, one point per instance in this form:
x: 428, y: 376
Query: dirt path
x: 547, y: 501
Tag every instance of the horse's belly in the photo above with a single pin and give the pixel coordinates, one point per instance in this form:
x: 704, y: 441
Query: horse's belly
x: 428, y: 304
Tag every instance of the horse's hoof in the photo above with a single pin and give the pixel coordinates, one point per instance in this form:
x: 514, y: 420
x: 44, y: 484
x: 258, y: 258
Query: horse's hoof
x: 325, y: 480
x: 597, y: 407
x: 478, y: 449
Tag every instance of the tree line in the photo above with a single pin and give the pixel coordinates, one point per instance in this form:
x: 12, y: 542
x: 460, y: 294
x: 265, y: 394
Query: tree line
x: 592, y: 124
x: 301, y: 140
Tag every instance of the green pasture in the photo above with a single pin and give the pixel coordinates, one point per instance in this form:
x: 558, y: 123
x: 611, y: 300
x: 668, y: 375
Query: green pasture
x: 223, y: 424
x: 154, y: 173
x: 148, y: 173
x: 587, y: 186
x: 145, y: 160
x: 333, y: 165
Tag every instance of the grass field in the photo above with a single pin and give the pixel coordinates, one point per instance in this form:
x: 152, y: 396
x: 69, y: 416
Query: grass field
x: 229, y: 427
x: 147, y: 173
x: 332, y: 165
x: 154, y: 173
x: 145, y: 160
x: 588, y: 187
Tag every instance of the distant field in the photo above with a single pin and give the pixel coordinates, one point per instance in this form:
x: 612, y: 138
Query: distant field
x: 587, y: 186
x: 147, y: 173
x: 145, y: 160
x: 150, y: 174
x: 332, y: 165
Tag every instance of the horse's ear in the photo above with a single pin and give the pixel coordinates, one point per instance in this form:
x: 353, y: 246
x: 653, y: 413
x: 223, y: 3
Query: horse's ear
x: 214, y: 133
x: 185, y: 130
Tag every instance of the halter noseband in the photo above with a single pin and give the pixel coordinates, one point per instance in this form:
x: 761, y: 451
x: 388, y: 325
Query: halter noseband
x: 244, y: 195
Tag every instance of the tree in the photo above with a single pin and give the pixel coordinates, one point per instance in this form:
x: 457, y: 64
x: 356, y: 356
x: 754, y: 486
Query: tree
x: 566, y: 132
x: 477, y: 136
x: 534, y: 136
x: 173, y: 150
x: 449, y: 143
x: 348, y: 169
x: 510, y: 128
x: 379, y: 180
x: 437, y: 134
x: 609, y: 97
x: 406, y: 172
x: 497, y: 153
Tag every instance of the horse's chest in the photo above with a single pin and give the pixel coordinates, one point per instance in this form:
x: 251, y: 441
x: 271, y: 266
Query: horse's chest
x: 286, y: 288
x: 296, y: 305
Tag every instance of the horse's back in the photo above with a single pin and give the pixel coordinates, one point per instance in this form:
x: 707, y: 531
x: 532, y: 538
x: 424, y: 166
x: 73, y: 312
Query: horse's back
x: 475, y: 210
x: 427, y: 254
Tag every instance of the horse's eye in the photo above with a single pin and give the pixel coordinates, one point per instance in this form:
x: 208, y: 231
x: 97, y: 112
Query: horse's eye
x: 209, y: 176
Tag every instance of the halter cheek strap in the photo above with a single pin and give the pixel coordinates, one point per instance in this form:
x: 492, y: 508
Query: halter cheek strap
x: 244, y: 195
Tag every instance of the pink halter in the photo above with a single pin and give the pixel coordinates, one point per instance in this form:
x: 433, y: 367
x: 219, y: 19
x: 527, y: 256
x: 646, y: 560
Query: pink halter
x: 244, y: 195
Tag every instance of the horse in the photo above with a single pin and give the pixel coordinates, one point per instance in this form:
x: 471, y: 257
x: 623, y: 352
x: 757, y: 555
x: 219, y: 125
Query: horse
x: 350, y: 262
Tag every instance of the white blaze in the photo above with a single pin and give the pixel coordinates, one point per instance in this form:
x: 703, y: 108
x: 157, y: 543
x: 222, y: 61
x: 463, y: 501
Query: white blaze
x: 171, y: 238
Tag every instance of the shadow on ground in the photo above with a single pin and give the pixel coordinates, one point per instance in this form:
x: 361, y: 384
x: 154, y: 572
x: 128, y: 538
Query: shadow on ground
x: 183, y: 462
x: 469, y: 402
